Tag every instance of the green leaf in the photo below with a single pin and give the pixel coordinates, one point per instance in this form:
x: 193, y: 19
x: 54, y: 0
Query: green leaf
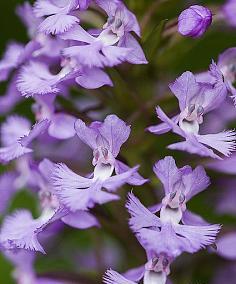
x: 153, y: 40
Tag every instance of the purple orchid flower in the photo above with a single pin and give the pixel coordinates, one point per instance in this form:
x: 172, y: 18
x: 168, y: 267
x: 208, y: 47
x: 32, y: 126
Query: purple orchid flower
x: 226, y: 66
x: 36, y: 79
x: 11, y: 98
x: 195, y: 100
x: 194, y: 21
x: 153, y: 273
x: 44, y: 44
x: 107, y: 138
x: 20, y: 230
x: 10, y: 59
x: 77, y: 192
x: 61, y: 124
x: 113, y: 45
x: 112, y: 8
x: 17, y: 135
x: 156, y: 269
x: 28, y: 18
x: 15, y: 55
x: 180, y: 185
x: 59, y: 17
x: 159, y: 236
x: 7, y: 189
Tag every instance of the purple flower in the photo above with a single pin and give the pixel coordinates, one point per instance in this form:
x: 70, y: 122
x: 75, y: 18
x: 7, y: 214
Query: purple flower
x: 195, y: 100
x: 80, y: 193
x: 27, y: 16
x: 21, y: 230
x: 117, y: 6
x: 180, y: 185
x: 17, y: 135
x: 108, y: 49
x: 11, y: 98
x: 226, y: 68
x: 109, y: 137
x: 155, y: 271
x: 36, y: 79
x: 226, y: 63
x: 61, y: 124
x: 58, y: 125
x: 40, y: 45
x: 113, y: 45
x: 58, y: 15
x: 160, y: 236
x: 44, y: 44
x: 10, y: 59
x: 194, y: 21
x: 150, y: 276
x: 7, y: 189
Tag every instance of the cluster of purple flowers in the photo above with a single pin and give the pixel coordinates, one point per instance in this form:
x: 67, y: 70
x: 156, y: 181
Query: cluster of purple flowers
x: 197, y: 96
x: 175, y: 231
x: 62, y: 54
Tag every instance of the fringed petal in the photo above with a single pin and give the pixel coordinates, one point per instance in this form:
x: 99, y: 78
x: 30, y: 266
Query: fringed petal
x: 141, y: 217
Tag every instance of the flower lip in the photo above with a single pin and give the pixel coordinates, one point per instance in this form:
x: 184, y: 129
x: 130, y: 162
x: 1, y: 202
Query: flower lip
x: 103, y: 171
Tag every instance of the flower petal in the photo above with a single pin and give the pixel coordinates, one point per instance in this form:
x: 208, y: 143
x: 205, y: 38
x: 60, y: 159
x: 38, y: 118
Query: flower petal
x: 141, y: 217
x: 168, y: 173
x: 62, y: 126
x: 93, y: 78
x: 115, y: 131
x: 224, y: 142
x: 113, y: 277
x: 81, y: 220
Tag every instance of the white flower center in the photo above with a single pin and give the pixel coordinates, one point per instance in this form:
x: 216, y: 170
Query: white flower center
x: 108, y: 37
x: 174, y: 204
x: 191, y: 118
x: 151, y: 277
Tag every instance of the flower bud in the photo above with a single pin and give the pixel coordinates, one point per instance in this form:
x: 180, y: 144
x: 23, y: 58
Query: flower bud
x: 194, y: 21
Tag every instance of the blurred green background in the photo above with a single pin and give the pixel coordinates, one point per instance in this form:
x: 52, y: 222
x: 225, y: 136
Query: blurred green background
x: 138, y: 89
